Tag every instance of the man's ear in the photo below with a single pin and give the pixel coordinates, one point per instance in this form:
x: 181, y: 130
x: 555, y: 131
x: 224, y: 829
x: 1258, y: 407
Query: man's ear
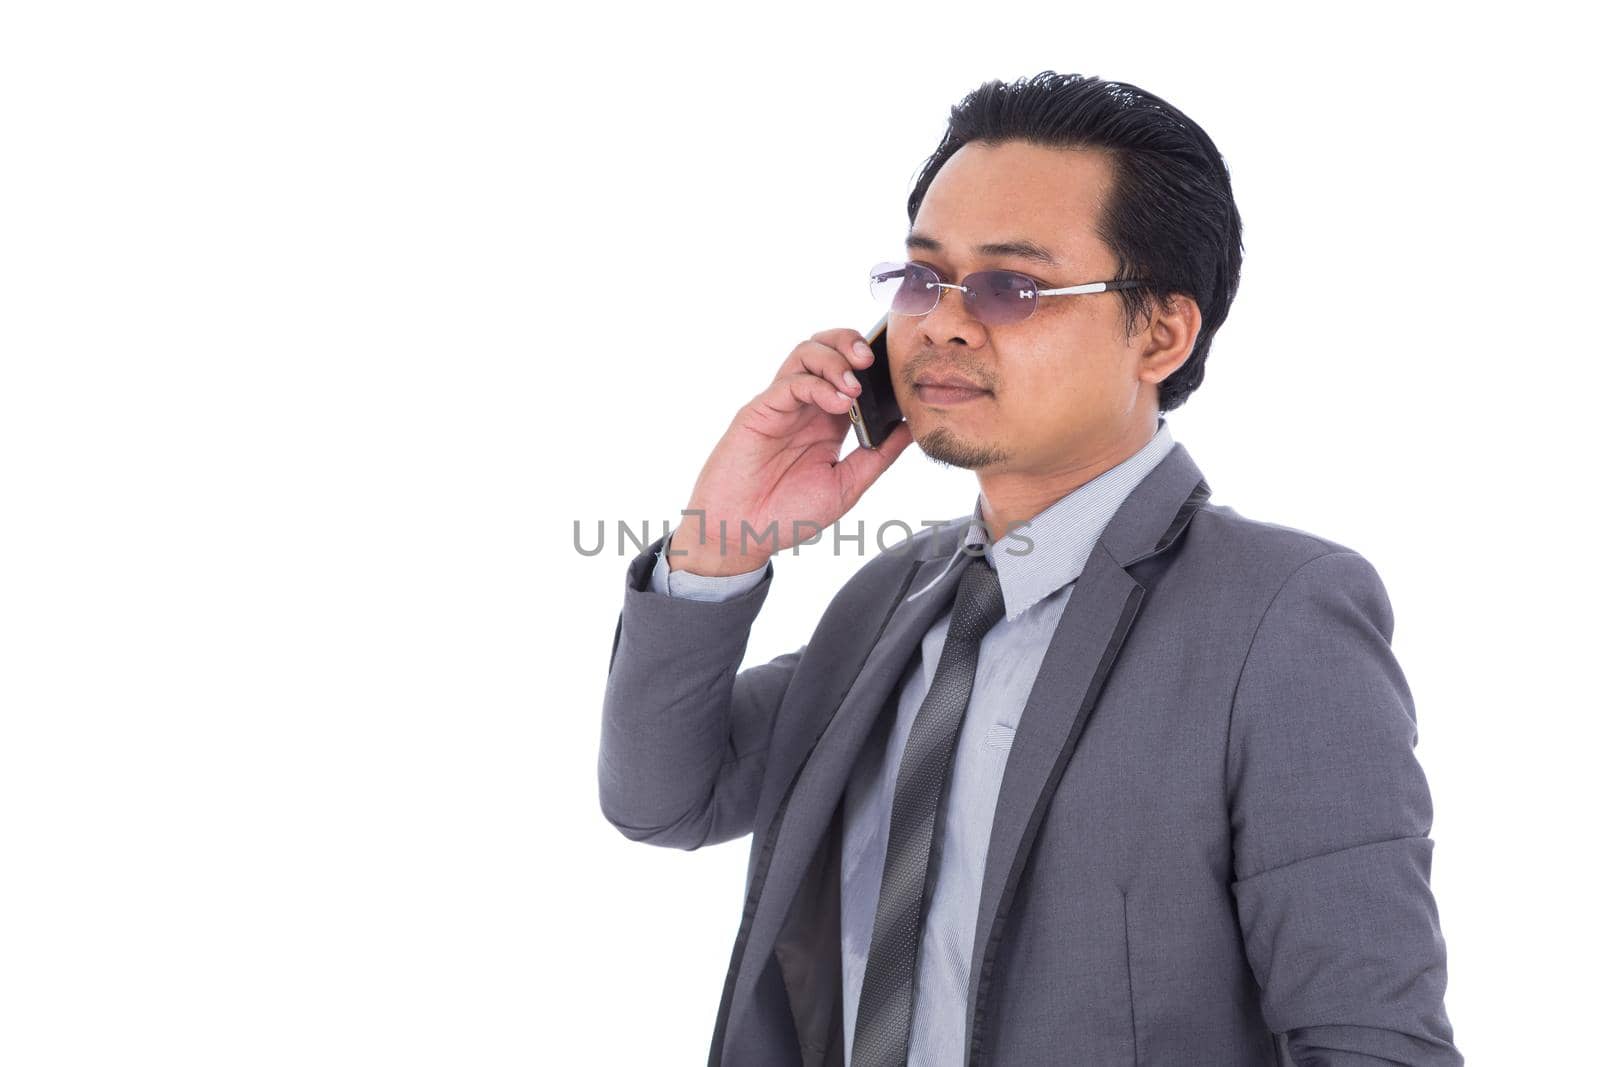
x: 1170, y: 337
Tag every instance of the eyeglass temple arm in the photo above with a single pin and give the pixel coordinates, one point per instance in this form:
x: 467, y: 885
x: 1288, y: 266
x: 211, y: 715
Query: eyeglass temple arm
x: 1092, y: 287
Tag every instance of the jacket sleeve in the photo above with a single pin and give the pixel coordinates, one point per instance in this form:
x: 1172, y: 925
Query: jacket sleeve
x: 684, y: 732
x: 1330, y: 818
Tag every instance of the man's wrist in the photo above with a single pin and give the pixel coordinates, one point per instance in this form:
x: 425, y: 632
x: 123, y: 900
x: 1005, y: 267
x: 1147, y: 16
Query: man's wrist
x: 714, y: 564
x: 709, y: 560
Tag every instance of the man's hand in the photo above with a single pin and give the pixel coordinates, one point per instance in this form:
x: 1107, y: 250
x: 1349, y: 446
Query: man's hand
x: 777, y: 467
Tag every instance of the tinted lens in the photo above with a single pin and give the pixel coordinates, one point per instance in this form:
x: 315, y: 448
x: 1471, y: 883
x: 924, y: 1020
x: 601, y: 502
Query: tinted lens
x: 907, y: 288
x: 1001, y: 297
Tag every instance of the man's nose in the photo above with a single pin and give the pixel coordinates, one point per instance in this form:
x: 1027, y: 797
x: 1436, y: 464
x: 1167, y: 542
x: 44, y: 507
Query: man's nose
x: 951, y: 321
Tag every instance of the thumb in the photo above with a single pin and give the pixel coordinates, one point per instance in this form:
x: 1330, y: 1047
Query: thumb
x: 862, y: 467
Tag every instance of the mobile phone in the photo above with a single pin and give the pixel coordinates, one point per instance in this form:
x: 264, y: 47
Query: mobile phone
x: 875, y: 412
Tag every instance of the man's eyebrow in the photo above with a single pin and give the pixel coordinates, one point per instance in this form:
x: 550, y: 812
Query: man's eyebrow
x: 1020, y: 247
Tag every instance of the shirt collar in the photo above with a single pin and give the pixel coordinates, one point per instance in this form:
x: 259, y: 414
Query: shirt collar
x: 1050, y: 550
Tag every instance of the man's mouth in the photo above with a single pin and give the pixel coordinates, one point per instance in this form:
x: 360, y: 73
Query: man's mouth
x: 944, y: 391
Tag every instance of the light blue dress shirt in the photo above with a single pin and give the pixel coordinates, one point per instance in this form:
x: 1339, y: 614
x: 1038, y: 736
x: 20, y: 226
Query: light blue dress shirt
x: 1037, y: 565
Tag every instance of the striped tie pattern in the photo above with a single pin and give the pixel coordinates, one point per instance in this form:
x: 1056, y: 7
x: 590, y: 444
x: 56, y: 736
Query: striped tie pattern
x: 883, y: 1019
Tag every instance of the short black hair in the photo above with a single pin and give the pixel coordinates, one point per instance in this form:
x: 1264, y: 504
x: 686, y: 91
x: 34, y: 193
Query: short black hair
x: 1170, y: 217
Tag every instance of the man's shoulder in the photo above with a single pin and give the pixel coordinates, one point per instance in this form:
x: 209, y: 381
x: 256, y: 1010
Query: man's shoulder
x: 1223, y: 527
x: 1245, y: 553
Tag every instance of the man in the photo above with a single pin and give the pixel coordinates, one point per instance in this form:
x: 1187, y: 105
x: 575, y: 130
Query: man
x: 1108, y: 774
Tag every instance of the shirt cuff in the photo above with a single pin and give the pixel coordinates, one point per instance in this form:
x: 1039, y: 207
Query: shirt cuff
x: 709, y: 587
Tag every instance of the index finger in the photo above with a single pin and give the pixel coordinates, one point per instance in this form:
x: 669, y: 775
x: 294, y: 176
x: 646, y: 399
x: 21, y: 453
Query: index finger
x: 828, y: 354
x: 845, y: 340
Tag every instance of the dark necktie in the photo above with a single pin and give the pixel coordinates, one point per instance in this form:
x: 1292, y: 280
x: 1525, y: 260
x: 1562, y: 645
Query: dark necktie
x: 883, y: 1018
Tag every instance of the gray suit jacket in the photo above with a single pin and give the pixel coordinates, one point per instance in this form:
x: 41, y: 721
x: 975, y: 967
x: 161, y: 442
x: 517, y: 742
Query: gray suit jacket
x: 1211, y: 842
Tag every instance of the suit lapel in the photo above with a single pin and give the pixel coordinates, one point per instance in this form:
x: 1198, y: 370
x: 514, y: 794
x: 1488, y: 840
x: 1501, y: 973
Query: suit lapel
x: 839, y: 737
x: 1100, y: 612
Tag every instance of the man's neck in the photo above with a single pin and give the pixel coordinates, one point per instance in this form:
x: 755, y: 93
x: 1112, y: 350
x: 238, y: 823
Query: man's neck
x: 1010, y: 498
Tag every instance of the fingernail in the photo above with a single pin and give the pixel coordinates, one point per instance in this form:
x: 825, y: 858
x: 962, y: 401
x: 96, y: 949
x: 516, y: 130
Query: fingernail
x: 850, y: 380
x: 863, y: 350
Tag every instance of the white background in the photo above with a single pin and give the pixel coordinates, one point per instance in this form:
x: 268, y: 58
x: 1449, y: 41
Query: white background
x: 323, y: 323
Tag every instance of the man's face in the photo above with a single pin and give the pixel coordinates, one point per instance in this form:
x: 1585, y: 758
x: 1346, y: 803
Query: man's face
x: 1063, y: 384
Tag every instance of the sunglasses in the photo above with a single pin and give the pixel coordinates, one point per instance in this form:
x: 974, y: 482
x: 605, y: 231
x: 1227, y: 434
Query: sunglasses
x: 995, y: 297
